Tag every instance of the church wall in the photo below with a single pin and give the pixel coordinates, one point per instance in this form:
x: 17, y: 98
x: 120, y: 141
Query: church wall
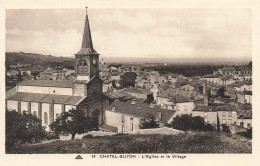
x: 12, y: 105
x: 45, y: 109
x: 68, y: 107
x: 60, y: 91
x: 33, y: 89
x: 34, y: 107
x: 45, y: 90
x: 57, y: 110
x: 24, y: 106
x: 79, y: 90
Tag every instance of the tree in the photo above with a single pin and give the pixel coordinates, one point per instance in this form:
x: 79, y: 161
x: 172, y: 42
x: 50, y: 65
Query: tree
x: 250, y: 64
x: 148, y: 122
x: 21, y: 128
x: 128, y: 79
x: 74, y: 122
x: 225, y: 128
x: 186, y: 122
x: 221, y: 91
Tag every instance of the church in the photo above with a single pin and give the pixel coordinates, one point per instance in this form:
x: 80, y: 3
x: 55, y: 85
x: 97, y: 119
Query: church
x: 47, y: 99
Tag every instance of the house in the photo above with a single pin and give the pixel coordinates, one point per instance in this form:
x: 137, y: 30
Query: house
x: 139, y: 93
x: 12, y: 73
x: 209, y: 113
x: 127, y: 116
x: 227, y: 114
x: 244, y: 116
x: 107, y: 85
x: 213, y: 78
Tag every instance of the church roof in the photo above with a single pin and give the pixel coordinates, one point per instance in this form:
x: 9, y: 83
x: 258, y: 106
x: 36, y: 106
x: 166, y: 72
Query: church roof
x: 47, y: 83
x: 32, y: 97
x: 47, y: 98
x: 87, y: 45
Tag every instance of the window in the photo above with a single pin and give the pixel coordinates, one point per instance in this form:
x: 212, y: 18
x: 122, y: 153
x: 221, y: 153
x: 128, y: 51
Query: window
x: 132, y: 127
x: 229, y: 121
x: 235, y: 123
x: 53, y: 91
x: 230, y: 114
x: 241, y: 124
x: 224, y: 114
x: 248, y: 125
x: 45, y: 118
x: 223, y: 121
x: 57, y: 115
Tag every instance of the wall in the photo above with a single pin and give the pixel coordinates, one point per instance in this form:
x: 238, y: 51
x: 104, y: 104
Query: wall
x: 79, y: 90
x: 45, y: 90
x: 184, y: 108
x: 57, y: 110
x: 24, y: 106
x: 12, y: 105
x: 34, y: 107
x: 211, y: 116
x: 115, y: 119
x: 233, y: 118
x: 45, y: 108
x: 68, y: 107
x: 246, y: 122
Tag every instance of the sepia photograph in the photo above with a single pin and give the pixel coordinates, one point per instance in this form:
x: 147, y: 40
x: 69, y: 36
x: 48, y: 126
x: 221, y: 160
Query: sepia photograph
x: 128, y: 82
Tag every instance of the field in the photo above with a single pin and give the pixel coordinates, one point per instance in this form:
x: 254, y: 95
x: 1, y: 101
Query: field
x: 197, y: 142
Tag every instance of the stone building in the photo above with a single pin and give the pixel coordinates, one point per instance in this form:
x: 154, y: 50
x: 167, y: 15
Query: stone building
x: 47, y: 99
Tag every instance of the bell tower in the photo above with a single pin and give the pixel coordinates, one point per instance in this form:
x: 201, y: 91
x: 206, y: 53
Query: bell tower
x: 87, y: 59
x: 87, y: 82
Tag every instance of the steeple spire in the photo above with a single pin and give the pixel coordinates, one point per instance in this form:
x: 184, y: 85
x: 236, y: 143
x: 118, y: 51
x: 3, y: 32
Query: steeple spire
x: 87, y: 45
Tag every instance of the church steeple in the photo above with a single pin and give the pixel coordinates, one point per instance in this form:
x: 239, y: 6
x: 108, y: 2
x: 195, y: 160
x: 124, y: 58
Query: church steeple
x: 87, y: 59
x: 87, y: 45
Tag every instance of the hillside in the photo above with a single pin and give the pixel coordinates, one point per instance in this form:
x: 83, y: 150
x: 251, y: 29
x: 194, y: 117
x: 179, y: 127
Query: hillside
x: 37, y: 59
x: 197, y: 142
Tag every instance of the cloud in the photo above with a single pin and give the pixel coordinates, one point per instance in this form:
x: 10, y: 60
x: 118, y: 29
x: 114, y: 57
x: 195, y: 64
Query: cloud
x: 48, y: 41
x: 135, y: 32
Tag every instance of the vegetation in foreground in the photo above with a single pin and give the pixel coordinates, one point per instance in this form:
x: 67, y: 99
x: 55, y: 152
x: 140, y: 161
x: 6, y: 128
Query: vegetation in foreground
x: 188, y: 142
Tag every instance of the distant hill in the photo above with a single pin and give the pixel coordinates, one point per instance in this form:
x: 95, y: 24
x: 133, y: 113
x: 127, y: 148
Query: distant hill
x: 37, y: 59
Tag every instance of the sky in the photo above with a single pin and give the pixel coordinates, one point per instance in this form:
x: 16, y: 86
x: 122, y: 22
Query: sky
x: 145, y: 33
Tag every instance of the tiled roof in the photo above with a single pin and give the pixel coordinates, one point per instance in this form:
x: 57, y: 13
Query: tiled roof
x: 205, y: 109
x: 179, y: 99
x: 47, y: 83
x: 227, y: 107
x: 136, y: 90
x: 74, y: 100
x: 140, y: 110
x: 46, y: 98
x: 57, y: 99
x: 32, y: 97
x: 245, y: 114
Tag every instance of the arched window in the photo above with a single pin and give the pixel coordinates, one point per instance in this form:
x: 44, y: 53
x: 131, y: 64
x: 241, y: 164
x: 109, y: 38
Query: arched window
x: 35, y: 113
x: 45, y: 118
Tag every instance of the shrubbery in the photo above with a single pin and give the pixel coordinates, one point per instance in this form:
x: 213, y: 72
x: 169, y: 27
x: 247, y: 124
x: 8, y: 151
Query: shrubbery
x: 187, y: 122
x: 22, y: 128
x: 148, y: 122
x: 74, y: 122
